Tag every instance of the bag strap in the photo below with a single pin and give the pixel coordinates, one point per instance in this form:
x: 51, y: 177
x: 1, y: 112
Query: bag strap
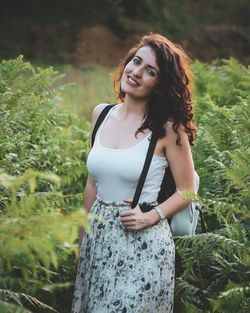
x: 167, y: 175
x: 144, y: 172
x: 146, y: 166
x: 99, y: 121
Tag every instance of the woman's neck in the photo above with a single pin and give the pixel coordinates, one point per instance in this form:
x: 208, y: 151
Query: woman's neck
x: 133, y: 107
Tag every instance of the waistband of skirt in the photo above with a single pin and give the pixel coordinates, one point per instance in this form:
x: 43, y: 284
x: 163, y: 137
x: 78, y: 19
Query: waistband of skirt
x: 121, y: 204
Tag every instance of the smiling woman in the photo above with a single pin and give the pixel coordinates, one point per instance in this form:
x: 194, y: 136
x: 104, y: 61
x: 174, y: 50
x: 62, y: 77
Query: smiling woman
x: 140, y: 75
x: 127, y: 263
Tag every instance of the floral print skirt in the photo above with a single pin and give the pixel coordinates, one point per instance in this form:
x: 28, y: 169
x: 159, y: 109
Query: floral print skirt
x: 124, y: 271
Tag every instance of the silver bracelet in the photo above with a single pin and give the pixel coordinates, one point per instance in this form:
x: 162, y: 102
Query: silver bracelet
x: 159, y: 211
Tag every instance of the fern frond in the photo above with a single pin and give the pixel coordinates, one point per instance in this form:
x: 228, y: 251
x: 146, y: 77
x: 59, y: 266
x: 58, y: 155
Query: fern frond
x: 234, y: 300
x: 6, y: 307
x: 224, y: 211
x: 234, y: 230
x: 191, y: 308
x: 9, y: 295
x: 14, y: 297
x: 36, y: 303
x: 189, y: 293
x: 213, y: 241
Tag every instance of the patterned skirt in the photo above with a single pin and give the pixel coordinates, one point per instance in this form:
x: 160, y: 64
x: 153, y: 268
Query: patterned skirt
x: 124, y: 271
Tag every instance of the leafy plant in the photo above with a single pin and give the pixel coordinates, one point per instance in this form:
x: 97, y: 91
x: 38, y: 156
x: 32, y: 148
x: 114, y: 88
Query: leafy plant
x: 43, y: 153
x: 41, y: 181
x: 214, y: 268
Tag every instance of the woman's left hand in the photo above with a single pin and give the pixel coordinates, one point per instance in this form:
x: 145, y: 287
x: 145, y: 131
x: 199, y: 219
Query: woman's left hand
x: 135, y: 219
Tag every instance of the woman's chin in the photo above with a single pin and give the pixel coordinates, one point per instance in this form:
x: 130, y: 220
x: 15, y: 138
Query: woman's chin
x: 131, y: 92
x: 127, y: 88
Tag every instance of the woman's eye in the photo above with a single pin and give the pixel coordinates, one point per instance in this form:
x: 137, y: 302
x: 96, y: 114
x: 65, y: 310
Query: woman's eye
x: 136, y: 61
x: 151, y: 72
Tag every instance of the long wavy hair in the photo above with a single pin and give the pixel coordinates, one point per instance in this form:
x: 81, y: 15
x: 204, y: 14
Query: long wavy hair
x: 172, y: 100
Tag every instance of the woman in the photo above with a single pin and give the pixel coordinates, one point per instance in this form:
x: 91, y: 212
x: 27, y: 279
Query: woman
x: 127, y: 262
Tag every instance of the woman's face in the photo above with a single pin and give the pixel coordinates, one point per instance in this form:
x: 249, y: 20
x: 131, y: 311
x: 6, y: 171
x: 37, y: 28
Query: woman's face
x: 141, y: 74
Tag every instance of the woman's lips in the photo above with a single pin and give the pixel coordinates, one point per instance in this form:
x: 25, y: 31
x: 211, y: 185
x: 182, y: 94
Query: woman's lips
x: 132, y: 82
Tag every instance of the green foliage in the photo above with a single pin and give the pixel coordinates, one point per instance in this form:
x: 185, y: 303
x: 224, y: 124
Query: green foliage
x: 43, y: 149
x: 214, y: 270
x: 234, y: 299
x: 10, y: 296
x: 81, y: 95
x: 35, y: 132
x: 41, y: 183
x: 26, y: 220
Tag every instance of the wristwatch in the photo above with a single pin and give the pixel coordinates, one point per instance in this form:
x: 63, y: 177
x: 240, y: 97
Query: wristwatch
x: 159, y: 211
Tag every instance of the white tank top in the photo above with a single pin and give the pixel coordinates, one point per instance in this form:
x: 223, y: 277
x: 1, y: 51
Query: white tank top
x: 116, y: 171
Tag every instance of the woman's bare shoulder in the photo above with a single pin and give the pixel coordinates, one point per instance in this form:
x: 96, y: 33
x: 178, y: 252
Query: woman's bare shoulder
x: 171, y: 135
x: 97, y: 110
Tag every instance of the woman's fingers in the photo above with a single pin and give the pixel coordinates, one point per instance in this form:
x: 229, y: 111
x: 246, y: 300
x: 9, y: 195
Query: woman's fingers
x: 127, y: 213
x: 128, y: 224
x: 128, y: 200
x: 131, y: 218
x: 127, y: 217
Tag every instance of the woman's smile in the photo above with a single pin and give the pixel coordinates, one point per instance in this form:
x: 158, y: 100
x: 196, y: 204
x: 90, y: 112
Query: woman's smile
x: 131, y: 81
x: 141, y: 71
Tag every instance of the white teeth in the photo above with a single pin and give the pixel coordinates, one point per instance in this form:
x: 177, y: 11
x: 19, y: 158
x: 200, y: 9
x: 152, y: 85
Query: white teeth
x: 132, y: 81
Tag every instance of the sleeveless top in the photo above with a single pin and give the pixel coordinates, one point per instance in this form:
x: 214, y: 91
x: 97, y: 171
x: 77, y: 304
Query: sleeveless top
x: 116, y: 171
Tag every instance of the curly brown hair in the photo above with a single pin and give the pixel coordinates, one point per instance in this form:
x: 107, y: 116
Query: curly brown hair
x: 173, y: 100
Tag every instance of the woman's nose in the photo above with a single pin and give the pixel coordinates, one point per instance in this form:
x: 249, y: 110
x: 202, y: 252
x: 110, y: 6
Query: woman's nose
x: 137, y: 71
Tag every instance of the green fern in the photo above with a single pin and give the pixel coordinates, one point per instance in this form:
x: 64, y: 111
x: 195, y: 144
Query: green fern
x: 7, y: 307
x: 212, y: 273
x: 211, y: 262
x: 235, y: 299
x: 9, y: 296
x: 40, y: 214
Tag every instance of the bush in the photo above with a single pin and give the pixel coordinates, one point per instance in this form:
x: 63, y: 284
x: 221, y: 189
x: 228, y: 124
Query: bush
x: 213, y: 274
x: 43, y: 153
x: 41, y: 183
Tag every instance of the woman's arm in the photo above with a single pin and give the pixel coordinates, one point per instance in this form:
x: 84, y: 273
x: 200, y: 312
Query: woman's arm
x: 90, y: 187
x: 89, y: 193
x: 89, y: 198
x: 181, y: 164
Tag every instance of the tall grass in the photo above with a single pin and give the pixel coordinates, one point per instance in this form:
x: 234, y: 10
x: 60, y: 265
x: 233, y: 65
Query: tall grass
x: 85, y: 87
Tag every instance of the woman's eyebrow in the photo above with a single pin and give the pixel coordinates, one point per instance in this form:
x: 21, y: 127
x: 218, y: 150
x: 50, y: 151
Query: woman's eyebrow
x: 137, y: 56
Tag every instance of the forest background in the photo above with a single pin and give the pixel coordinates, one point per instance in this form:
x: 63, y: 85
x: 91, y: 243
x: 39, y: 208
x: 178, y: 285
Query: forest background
x: 57, y: 64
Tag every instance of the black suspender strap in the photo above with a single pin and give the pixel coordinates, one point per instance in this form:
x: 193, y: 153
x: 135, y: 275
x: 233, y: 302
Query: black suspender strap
x: 144, y: 172
x: 100, y: 119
